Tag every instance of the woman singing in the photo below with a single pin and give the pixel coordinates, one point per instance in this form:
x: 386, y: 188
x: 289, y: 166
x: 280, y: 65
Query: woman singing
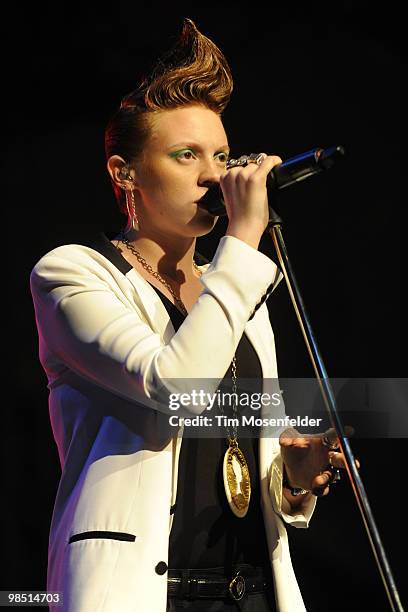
x: 146, y: 519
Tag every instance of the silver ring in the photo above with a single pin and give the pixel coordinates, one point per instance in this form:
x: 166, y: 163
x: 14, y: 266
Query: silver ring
x: 335, y: 472
x: 256, y: 158
x: 241, y: 161
x: 244, y: 160
x: 336, y: 476
x: 326, y: 442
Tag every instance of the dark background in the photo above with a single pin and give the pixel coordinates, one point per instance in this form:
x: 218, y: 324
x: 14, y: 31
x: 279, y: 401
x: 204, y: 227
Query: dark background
x: 329, y: 74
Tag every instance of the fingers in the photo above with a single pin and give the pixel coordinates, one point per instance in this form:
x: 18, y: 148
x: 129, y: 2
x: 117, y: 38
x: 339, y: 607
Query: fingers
x: 291, y: 437
x: 308, y: 460
x: 285, y: 441
x: 269, y: 162
x: 246, y: 199
x: 251, y: 169
x: 321, y: 483
x: 330, y: 438
x: 337, y: 460
x: 260, y: 170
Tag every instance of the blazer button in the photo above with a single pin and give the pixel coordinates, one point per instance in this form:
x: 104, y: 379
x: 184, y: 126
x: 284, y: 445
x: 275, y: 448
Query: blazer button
x: 161, y: 568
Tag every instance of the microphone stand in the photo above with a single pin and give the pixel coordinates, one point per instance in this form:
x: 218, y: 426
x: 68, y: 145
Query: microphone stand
x: 275, y: 230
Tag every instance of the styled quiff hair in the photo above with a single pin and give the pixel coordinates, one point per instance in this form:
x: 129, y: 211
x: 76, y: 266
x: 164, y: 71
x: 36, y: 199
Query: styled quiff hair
x: 193, y: 71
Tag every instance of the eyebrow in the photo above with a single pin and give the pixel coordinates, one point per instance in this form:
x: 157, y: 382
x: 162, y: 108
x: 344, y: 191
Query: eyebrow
x: 193, y: 145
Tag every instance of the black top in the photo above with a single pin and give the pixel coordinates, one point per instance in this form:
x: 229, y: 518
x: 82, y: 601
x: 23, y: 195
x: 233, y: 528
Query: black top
x: 205, y: 532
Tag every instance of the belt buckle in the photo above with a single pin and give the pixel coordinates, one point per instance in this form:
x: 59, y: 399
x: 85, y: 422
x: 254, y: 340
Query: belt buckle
x: 237, y: 587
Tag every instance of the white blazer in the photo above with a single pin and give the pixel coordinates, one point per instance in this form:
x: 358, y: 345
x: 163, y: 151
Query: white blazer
x: 112, y: 357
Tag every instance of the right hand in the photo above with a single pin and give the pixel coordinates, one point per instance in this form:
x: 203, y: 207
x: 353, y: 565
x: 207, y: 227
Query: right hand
x: 246, y: 199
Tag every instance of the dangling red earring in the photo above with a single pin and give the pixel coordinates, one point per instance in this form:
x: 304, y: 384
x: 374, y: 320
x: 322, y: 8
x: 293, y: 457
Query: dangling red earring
x: 133, y: 221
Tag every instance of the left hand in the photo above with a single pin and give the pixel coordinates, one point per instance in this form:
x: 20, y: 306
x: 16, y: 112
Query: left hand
x: 309, y: 462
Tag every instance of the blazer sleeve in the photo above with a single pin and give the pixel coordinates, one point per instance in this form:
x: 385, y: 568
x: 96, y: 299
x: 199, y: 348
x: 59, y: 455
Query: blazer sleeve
x: 87, y: 326
x: 301, y: 516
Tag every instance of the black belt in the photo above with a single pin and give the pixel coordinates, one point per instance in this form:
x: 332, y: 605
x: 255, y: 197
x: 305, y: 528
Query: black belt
x: 203, y: 584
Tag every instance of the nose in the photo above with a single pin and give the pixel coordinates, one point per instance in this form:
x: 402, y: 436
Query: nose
x: 210, y: 173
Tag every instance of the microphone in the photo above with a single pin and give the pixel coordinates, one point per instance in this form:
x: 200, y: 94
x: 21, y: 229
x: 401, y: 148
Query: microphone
x: 283, y: 175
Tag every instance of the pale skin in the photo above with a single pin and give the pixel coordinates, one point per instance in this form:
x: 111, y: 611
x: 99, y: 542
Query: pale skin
x: 185, y: 154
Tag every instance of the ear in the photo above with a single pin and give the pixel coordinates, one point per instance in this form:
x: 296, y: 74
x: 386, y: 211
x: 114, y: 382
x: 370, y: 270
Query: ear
x: 121, y: 173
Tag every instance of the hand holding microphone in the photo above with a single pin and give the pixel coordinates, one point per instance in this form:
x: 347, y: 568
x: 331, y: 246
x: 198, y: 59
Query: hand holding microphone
x: 246, y: 178
x: 245, y: 196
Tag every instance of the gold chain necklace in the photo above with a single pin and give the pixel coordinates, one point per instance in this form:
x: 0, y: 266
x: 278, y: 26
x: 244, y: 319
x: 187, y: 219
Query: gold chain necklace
x: 156, y: 274
x: 237, y: 483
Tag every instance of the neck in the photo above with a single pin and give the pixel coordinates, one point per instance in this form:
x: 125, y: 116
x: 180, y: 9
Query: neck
x: 170, y: 256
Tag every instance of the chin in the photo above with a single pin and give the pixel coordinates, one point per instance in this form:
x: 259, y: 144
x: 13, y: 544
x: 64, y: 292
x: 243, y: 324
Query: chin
x: 202, y: 223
